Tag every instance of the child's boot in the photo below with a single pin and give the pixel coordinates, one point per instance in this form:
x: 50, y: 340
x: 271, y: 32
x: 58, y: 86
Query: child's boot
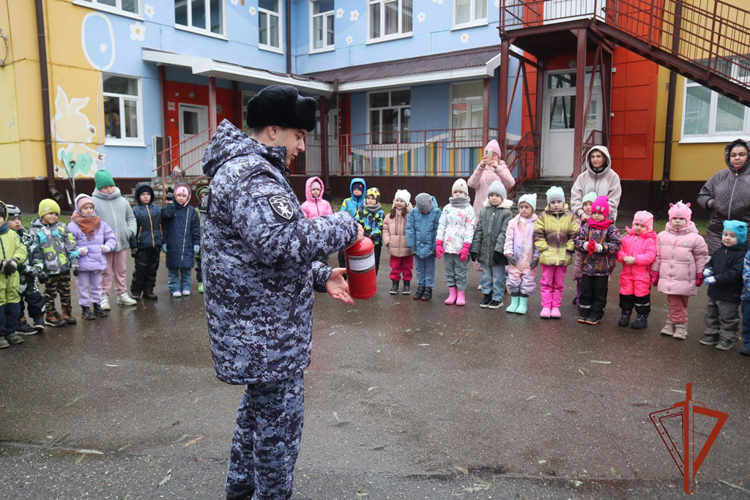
x: 668, y: 328
x: 514, y: 300
x: 420, y: 291
x: 200, y: 287
x: 680, y: 331
x: 24, y: 328
x: 39, y: 324
x: 625, y: 318
x: 407, y: 288
x: 545, y: 312
x: 99, y: 310
x: 427, y: 295
x: 486, y: 301
x: 67, y: 316
x: 554, y: 313
x: 394, y: 287
x: 52, y: 318
x: 523, y: 303
x: 460, y: 298
x: 86, y: 312
x: 640, y: 323
x: 14, y: 338
x: 452, y: 293
x: 4, y: 343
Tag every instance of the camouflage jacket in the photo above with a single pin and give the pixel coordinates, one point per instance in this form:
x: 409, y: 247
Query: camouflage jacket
x: 34, y: 265
x: 57, y: 244
x: 260, y: 261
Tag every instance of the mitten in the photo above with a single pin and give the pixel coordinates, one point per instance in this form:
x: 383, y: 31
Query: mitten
x: 106, y: 249
x: 512, y: 260
x: 413, y: 251
x: 170, y: 195
x: 83, y: 251
x: 711, y: 280
x: 599, y: 248
x: 74, y: 268
x: 591, y: 246
x: 708, y: 272
x: 439, y: 252
x: 463, y: 254
x: 42, y: 278
x: 196, y: 249
x: 534, y: 263
x: 699, y: 279
x: 11, y: 266
x: 654, y: 278
x: 134, y: 252
x: 164, y: 248
x: 4, y: 265
x: 497, y: 257
x: 474, y: 256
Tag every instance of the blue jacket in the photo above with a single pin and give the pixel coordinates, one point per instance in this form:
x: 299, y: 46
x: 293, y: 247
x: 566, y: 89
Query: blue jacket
x: 181, y: 232
x: 148, y: 220
x: 261, y: 261
x: 421, y: 230
x: 352, y: 204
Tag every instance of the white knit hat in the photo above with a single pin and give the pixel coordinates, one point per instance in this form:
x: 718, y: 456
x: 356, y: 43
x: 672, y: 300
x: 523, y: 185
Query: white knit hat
x: 460, y: 185
x: 555, y: 193
x: 529, y: 198
x: 402, y: 194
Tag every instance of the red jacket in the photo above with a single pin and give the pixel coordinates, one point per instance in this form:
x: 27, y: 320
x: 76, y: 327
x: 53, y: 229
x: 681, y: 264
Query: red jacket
x: 643, y: 248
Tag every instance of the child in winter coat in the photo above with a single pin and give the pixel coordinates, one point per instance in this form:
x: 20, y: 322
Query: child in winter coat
x: 421, y: 230
x: 681, y: 255
x: 488, y: 244
x: 58, y: 251
x: 371, y: 217
x: 352, y: 205
x: 28, y: 277
x: 94, y: 239
x: 599, y: 241
x: 315, y: 205
x: 12, y: 257
x: 637, y: 253
x: 182, y: 240
x: 394, y: 237
x: 145, y: 246
x: 554, y: 234
x: 745, y: 351
x: 115, y: 210
x: 522, y: 255
x: 201, y: 194
x: 723, y: 275
x: 588, y: 201
x: 454, y: 237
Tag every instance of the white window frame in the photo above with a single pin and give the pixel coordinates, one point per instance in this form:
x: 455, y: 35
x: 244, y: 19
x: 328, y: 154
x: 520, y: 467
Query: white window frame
x: 203, y: 31
x: 399, y: 131
x: 325, y: 15
x: 470, y: 102
x: 280, y: 15
x: 394, y: 36
x: 712, y: 135
x: 126, y: 141
x: 473, y: 20
x: 94, y: 4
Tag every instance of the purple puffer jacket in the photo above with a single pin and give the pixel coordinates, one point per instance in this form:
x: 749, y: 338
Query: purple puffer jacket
x: 94, y: 260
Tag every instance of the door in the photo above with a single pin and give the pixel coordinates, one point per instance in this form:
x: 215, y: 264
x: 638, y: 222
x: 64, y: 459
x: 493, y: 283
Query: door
x: 194, y: 136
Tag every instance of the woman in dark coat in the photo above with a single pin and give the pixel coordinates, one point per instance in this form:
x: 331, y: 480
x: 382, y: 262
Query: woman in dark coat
x: 727, y: 194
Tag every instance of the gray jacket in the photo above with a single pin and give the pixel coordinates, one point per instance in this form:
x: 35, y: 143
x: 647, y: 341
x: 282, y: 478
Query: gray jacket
x: 116, y: 212
x: 604, y: 183
x: 489, y: 236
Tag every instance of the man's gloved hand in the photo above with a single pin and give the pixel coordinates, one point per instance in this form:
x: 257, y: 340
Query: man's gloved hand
x: 512, y: 260
x: 164, y: 247
x: 83, y: 251
x: 74, y: 268
x: 106, y: 249
x: 474, y: 256
x: 463, y: 254
x: 497, y: 257
x: 534, y: 263
x: 133, y: 252
x: 439, y: 252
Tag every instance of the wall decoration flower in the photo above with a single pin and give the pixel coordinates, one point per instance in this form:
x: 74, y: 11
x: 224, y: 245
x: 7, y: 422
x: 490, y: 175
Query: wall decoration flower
x: 464, y: 38
x: 149, y: 11
x: 421, y: 17
x: 234, y: 2
x: 339, y: 13
x: 349, y: 40
x: 137, y: 32
x: 252, y: 11
x: 354, y: 15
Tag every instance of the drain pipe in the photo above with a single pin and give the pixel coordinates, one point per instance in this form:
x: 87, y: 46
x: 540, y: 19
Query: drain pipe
x: 45, y: 101
x: 288, y: 37
x: 669, y: 128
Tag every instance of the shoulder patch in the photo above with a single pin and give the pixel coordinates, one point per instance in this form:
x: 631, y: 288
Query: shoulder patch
x: 282, y: 206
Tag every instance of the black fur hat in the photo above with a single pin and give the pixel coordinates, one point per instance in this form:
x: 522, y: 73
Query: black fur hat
x: 281, y: 105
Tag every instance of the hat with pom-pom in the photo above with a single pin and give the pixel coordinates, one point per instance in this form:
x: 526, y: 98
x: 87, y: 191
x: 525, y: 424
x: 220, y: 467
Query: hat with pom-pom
x: 555, y: 193
x: 529, y: 198
x: 402, y: 194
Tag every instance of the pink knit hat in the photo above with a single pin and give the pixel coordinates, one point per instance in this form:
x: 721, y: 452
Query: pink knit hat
x: 680, y: 210
x: 495, y: 147
x: 644, y: 219
x: 601, y: 205
x: 182, y: 189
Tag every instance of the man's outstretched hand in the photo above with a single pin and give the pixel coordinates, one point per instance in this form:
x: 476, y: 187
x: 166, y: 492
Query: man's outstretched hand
x: 337, y: 287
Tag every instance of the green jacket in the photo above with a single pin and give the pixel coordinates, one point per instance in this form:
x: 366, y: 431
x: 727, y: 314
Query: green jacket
x: 10, y: 248
x: 489, y: 235
x: 58, y: 246
x: 554, y: 237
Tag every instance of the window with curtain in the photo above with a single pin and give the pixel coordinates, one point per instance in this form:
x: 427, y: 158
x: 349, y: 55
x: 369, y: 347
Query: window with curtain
x: 390, y: 114
x: 122, y: 109
x: 469, y: 12
x: 389, y: 19
x: 202, y: 15
x: 322, y: 25
x: 269, y: 24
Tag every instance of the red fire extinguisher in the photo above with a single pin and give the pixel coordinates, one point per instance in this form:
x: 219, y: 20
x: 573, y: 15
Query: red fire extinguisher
x: 360, y: 269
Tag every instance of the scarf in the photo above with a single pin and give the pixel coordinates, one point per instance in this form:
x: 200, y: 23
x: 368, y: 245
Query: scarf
x: 460, y: 201
x: 88, y: 224
x: 600, y: 225
x: 373, y: 209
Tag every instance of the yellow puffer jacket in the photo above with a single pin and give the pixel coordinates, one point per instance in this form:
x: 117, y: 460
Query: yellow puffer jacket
x: 554, y: 234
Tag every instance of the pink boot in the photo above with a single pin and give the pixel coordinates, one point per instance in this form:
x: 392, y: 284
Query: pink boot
x: 555, y: 313
x: 545, y: 312
x: 460, y: 299
x: 451, y: 296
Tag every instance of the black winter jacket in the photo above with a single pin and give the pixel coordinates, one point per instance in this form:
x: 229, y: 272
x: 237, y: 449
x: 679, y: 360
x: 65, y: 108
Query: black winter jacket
x: 726, y: 265
x: 148, y: 219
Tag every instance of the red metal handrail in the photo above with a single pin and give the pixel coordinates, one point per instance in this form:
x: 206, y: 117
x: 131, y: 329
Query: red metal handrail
x: 522, y: 156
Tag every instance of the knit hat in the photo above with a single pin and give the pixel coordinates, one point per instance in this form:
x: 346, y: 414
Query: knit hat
x: 529, y: 198
x: 81, y: 200
x: 358, y: 185
x: 314, y: 185
x: 497, y: 188
x: 200, y: 191
x: 374, y: 192
x: 601, y: 205
x: 424, y: 202
x: 402, y: 194
x: 48, y: 206
x: 281, y: 105
x: 495, y: 148
x: 737, y: 227
x: 680, y: 210
x: 555, y: 193
x: 645, y: 219
x: 103, y: 179
x: 589, y: 197
x: 460, y: 185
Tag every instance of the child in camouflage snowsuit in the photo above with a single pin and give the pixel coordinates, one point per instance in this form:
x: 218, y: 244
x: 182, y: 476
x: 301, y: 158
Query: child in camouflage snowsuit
x: 12, y: 256
x: 29, y: 277
x: 58, y: 248
x: 371, y: 216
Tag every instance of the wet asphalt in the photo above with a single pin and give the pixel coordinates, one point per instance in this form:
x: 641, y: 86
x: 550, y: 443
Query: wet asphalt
x: 404, y: 400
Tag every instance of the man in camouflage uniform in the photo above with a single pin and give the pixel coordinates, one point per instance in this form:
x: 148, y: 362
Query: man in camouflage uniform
x: 29, y: 273
x: 260, y: 265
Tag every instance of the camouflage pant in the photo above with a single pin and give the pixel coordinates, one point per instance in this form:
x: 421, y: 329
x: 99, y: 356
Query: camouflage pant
x: 266, y: 440
x: 57, y: 284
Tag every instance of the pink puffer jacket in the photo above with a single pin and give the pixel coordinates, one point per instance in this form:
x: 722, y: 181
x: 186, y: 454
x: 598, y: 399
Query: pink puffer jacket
x: 680, y: 256
x: 643, y: 248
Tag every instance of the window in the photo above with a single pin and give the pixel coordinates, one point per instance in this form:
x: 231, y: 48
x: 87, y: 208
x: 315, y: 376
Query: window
x: 269, y: 22
x: 130, y: 6
x: 390, y: 19
x: 390, y: 114
x: 204, y: 15
x: 122, y: 110
x: 246, y: 96
x: 322, y: 25
x: 470, y: 12
x: 467, y: 110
